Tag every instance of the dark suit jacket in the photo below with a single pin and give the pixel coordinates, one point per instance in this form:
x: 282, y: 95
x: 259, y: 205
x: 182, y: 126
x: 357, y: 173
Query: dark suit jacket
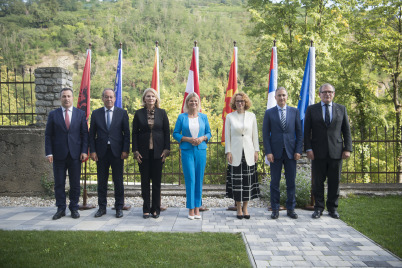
x: 160, y: 133
x: 323, y: 140
x: 59, y: 141
x: 275, y: 138
x: 118, y: 134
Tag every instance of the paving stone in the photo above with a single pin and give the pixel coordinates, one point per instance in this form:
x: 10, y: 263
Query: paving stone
x: 304, y: 242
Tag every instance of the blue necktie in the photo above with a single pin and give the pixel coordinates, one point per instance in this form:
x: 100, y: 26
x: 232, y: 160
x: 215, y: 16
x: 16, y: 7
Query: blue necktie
x: 108, y: 119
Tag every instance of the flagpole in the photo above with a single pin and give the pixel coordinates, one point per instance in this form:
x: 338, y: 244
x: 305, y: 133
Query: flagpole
x: 84, y: 193
x: 311, y: 206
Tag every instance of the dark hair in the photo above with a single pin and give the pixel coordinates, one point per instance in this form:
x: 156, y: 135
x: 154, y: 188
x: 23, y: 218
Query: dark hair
x: 65, y: 89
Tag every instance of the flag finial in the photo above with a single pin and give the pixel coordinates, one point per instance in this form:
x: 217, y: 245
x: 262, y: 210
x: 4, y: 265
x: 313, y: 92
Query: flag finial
x: 195, y: 43
x: 121, y: 45
x: 275, y: 42
x: 311, y: 43
x: 234, y: 43
x: 156, y: 43
x: 90, y: 45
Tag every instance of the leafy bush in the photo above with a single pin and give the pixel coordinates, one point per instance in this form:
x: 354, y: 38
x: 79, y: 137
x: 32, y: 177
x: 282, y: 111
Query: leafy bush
x: 303, y: 187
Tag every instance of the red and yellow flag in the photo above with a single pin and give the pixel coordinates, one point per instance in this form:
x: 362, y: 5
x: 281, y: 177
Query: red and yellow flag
x: 230, y: 91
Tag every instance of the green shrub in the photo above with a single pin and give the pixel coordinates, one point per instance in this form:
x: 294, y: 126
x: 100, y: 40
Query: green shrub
x: 303, y: 187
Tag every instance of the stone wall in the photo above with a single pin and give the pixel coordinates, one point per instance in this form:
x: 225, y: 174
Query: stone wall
x: 22, y: 161
x: 48, y: 83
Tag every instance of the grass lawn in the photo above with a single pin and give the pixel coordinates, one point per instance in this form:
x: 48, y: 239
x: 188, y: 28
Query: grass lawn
x: 379, y: 218
x: 121, y: 249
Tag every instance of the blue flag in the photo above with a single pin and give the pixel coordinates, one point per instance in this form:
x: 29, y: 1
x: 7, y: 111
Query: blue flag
x: 118, y: 87
x: 307, y: 91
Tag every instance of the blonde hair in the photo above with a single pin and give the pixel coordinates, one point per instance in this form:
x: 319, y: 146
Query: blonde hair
x: 247, y: 101
x: 156, y: 96
x: 189, y: 96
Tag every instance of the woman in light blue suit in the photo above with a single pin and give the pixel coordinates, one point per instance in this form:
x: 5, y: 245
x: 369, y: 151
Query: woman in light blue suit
x: 192, y: 132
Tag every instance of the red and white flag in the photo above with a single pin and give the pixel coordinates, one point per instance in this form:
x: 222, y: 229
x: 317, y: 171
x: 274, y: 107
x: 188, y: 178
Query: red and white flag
x: 193, y: 81
x: 155, y: 73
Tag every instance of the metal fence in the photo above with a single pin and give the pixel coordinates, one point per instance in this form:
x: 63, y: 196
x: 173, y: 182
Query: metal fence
x: 17, y: 97
x: 373, y: 160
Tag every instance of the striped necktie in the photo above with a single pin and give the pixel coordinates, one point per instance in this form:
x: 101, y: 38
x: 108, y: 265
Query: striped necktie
x: 283, y: 119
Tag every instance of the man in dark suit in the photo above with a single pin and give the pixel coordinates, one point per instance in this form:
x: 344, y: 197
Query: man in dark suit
x: 66, y: 145
x: 109, y: 138
x: 327, y: 140
x: 282, y: 135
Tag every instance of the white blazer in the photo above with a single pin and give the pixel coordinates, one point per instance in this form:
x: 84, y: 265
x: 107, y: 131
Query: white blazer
x: 238, y: 138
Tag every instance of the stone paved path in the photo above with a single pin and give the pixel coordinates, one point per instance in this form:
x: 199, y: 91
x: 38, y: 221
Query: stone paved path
x: 304, y: 242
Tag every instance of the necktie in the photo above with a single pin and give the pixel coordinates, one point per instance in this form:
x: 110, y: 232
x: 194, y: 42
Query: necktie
x: 327, y: 118
x: 67, y: 120
x: 108, y: 119
x: 283, y: 119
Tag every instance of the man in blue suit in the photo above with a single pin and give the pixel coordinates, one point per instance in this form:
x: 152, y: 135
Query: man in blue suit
x: 66, y: 145
x: 109, y: 138
x: 282, y: 135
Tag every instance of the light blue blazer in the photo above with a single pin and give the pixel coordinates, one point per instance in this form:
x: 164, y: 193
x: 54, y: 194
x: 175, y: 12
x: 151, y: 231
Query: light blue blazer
x: 182, y: 129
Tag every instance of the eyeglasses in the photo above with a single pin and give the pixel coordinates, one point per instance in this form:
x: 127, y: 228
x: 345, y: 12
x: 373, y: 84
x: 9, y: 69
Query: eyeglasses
x: 240, y: 101
x: 327, y: 92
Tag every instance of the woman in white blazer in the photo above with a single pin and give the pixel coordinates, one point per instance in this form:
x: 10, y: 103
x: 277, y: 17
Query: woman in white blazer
x: 241, y: 149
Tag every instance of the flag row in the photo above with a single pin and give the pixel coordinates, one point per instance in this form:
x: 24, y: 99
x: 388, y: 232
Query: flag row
x: 307, y: 91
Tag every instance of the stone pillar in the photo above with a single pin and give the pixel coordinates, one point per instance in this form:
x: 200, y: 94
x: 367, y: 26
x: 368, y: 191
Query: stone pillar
x: 48, y: 83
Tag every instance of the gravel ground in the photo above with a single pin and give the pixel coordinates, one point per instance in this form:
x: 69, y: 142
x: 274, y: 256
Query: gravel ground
x: 170, y: 201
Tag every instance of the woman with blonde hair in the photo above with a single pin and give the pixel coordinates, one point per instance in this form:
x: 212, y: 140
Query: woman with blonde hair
x: 192, y: 131
x: 151, y: 146
x: 241, y: 149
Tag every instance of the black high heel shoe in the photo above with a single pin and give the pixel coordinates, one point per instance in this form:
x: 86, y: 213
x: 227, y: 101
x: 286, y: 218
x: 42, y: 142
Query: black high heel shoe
x: 247, y: 217
x: 240, y: 217
x: 145, y: 216
x: 155, y: 216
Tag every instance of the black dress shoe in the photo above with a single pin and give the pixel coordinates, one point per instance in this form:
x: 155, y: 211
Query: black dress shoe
x: 59, y: 214
x: 333, y: 214
x: 291, y: 213
x: 100, y: 213
x: 317, y: 214
x: 275, y: 214
x: 155, y: 216
x: 75, y: 214
x: 119, y: 213
x: 145, y: 216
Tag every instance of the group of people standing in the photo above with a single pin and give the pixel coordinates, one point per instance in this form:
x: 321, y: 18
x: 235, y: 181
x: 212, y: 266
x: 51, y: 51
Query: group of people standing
x: 327, y: 141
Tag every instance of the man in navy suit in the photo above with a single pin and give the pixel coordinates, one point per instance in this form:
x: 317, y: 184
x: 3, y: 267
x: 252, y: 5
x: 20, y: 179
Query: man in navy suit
x: 282, y: 135
x: 327, y: 141
x: 66, y: 145
x: 109, y: 138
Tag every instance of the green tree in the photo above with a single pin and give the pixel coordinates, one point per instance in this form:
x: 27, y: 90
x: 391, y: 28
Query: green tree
x: 380, y: 36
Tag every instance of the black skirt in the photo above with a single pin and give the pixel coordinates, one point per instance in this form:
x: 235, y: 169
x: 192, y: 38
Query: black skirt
x: 242, y: 182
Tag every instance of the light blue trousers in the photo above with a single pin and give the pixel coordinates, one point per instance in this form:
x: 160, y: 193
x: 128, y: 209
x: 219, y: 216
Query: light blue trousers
x: 194, y: 161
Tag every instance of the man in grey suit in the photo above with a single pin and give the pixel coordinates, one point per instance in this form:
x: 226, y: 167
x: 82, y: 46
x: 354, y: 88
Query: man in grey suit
x: 327, y: 141
x: 282, y: 135
x: 109, y: 139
